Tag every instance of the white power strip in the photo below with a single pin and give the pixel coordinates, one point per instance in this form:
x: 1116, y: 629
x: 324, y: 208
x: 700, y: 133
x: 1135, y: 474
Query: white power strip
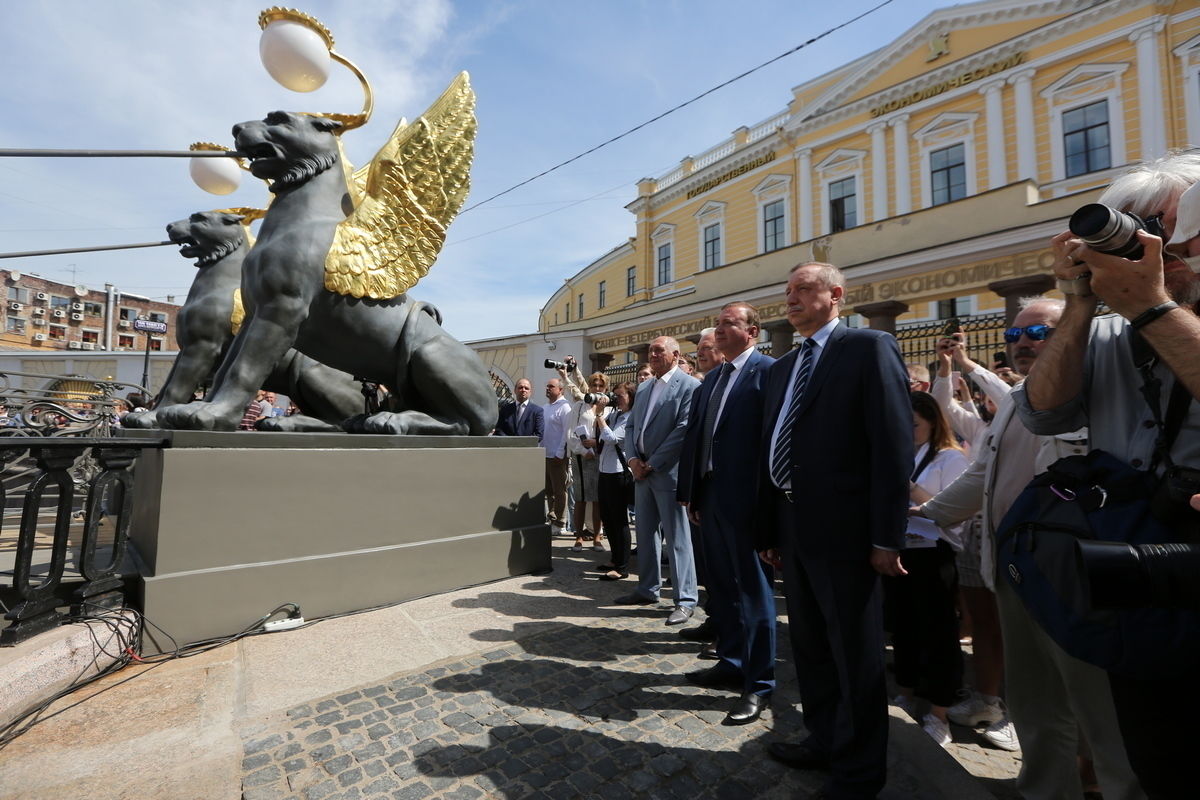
x: 286, y: 624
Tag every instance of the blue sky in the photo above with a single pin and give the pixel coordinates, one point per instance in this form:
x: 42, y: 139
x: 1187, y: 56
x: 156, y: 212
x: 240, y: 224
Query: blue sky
x: 552, y: 79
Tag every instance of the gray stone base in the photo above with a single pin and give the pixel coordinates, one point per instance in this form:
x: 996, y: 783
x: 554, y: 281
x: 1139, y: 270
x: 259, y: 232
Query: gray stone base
x: 228, y: 526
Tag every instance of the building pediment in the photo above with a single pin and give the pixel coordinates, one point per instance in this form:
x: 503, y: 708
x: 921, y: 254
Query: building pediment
x: 1085, y: 79
x: 948, y: 44
x: 840, y: 159
x: 948, y: 124
x: 712, y: 207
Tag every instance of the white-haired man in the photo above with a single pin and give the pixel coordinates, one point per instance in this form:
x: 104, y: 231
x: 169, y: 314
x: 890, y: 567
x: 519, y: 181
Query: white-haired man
x: 1088, y: 376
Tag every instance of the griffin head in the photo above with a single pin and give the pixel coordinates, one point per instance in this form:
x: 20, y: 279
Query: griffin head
x: 208, y: 236
x: 287, y: 148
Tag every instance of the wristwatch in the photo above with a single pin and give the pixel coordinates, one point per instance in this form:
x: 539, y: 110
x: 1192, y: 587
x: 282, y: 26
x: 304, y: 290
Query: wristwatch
x: 1080, y: 286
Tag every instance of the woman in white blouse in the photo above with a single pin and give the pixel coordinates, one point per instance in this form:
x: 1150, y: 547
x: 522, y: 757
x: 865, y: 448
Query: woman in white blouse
x: 615, y: 492
x: 927, y: 658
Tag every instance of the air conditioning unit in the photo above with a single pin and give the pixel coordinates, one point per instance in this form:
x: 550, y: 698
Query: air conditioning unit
x: 75, y: 345
x: 89, y: 345
x: 38, y: 321
x: 77, y: 306
x: 43, y: 296
x: 123, y: 323
x: 76, y: 317
x: 39, y: 312
x: 15, y: 306
x: 58, y: 312
x: 39, y: 337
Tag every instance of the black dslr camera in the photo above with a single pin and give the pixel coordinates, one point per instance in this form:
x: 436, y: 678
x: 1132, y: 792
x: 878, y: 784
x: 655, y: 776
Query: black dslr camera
x: 1107, y: 230
x: 567, y: 364
x: 591, y: 397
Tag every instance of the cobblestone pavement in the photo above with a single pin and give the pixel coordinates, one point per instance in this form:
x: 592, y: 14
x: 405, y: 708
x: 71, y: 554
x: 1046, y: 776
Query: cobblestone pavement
x: 560, y: 710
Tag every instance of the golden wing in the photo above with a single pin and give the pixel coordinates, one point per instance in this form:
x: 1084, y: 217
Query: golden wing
x: 238, y: 315
x: 414, y: 188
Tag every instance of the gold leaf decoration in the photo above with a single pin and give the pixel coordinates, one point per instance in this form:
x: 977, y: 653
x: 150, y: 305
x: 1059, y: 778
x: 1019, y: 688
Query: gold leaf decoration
x: 414, y: 187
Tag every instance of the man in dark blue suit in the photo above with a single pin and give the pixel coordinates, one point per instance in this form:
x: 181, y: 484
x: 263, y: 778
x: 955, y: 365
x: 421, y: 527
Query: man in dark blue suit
x: 521, y: 418
x: 718, y: 480
x: 837, y: 442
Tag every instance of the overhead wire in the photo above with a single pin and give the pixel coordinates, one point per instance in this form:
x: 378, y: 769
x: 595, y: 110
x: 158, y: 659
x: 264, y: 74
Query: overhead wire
x: 677, y: 107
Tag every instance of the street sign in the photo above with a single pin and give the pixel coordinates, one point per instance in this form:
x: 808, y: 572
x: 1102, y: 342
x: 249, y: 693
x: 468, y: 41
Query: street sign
x: 149, y: 326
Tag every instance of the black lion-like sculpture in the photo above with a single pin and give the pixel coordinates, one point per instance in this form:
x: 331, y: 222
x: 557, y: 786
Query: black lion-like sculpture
x: 206, y: 324
x: 437, y: 385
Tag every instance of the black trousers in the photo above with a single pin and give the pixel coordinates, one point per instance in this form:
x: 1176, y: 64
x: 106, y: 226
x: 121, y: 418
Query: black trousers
x: 835, y: 620
x: 1156, y: 718
x: 614, y: 515
x: 927, y: 656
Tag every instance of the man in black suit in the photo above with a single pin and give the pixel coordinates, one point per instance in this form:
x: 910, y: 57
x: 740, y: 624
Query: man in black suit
x: 837, y: 441
x: 521, y: 418
x: 718, y: 480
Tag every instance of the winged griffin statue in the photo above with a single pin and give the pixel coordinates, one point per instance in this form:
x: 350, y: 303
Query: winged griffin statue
x: 336, y: 254
x: 213, y: 313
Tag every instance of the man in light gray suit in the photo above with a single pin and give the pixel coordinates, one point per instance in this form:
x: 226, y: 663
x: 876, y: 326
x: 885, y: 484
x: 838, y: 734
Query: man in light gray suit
x: 652, y: 446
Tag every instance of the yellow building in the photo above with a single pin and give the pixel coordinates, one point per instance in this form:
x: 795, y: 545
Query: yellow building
x: 934, y: 171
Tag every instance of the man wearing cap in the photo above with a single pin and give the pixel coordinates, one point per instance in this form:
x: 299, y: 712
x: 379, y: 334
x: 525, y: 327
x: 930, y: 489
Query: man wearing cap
x: 1087, y: 376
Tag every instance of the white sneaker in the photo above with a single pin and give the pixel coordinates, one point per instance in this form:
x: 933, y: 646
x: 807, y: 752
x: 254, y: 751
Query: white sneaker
x: 1002, y: 734
x: 903, y: 703
x: 975, y: 711
x: 938, y: 731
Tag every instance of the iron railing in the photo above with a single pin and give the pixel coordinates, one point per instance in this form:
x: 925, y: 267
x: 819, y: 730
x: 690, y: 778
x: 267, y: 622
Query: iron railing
x: 65, y: 517
x: 62, y: 405
x: 985, y: 336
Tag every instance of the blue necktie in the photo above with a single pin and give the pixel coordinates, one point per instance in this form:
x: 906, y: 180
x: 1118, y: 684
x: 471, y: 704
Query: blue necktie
x: 710, y: 416
x: 781, y: 456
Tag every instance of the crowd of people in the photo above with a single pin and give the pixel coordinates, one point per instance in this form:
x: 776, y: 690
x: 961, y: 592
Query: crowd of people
x: 875, y: 489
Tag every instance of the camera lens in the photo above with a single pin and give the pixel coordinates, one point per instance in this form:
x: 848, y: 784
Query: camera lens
x: 1107, y: 230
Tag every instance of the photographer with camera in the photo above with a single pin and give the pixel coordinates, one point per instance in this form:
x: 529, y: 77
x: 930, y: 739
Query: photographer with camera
x: 584, y: 447
x: 1105, y: 372
x: 1051, y: 696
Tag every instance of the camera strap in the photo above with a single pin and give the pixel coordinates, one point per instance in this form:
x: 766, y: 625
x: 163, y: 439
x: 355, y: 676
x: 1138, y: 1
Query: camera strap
x: 1145, y: 359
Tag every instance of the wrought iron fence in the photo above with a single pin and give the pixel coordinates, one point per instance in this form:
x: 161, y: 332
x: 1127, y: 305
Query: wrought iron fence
x: 62, y: 405
x: 65, y: 518
x: 985, y: 336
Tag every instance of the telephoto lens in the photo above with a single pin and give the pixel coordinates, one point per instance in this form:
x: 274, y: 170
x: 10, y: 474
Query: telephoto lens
x: 1107, y: 230
x: 552, y: 364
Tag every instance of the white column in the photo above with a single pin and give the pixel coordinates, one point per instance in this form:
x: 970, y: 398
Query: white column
x: 1026, y: 142
x: 1150, y: 90
x: 997, y: 171
x: 879, y: 187
x: 804, y: 192
x: 902, y: 167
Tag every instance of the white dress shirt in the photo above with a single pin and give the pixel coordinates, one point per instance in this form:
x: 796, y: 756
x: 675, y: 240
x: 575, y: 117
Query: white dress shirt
x: 554, y: 430
x: 730, y: 380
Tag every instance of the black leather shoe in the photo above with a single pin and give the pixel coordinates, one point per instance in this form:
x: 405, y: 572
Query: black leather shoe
x: 747, y: 709
x: 715, y: 678
x: 709, y: 652
x: 704, y: 632
x: 800, y: 756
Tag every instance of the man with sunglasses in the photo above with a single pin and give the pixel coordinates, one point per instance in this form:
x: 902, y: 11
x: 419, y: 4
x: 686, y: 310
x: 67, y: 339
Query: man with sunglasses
x: 1088, y: 376
x: 1050, y: 695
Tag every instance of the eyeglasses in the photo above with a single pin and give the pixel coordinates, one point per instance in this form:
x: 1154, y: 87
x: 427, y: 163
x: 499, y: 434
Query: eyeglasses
x: 1039, y: 333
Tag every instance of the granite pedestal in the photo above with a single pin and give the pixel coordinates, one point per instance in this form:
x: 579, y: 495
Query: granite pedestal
x: 228, y: 526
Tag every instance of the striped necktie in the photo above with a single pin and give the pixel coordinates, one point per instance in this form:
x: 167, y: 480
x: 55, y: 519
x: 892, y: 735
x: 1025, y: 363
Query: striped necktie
x: 781, y: 456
